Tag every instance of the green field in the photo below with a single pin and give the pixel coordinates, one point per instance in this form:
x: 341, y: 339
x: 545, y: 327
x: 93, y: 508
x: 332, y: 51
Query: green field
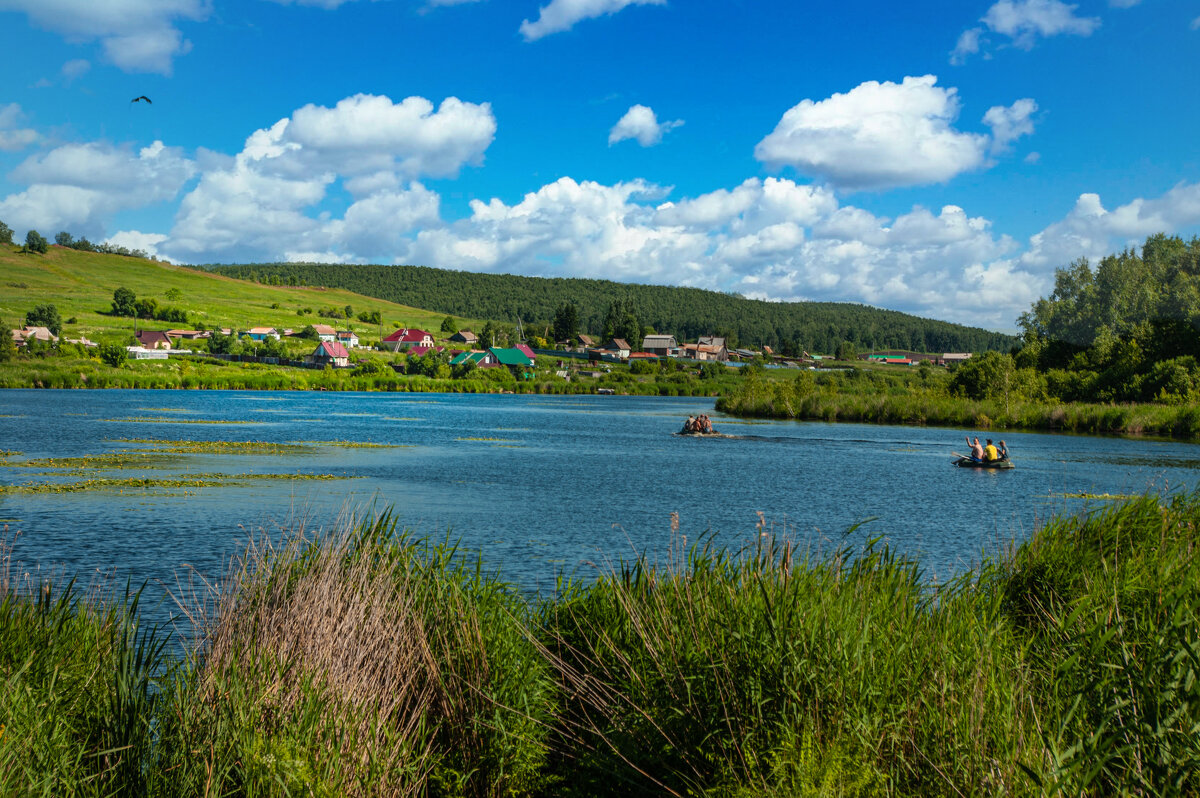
x: 81, y: 285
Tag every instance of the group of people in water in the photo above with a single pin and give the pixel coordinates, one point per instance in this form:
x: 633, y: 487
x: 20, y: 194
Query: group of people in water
x: 988, y: 453
x: 697, y: 424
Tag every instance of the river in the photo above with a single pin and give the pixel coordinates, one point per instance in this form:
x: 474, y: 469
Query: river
x: 539, y: 485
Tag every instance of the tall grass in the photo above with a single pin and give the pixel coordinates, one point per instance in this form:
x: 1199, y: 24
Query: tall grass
x: 78, y: 693
x: 365, y: 662
x: 915, y: 405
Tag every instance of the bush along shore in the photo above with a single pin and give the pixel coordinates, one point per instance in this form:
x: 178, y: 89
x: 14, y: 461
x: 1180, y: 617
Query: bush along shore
x: 362, y: 662
x: 868, y: 396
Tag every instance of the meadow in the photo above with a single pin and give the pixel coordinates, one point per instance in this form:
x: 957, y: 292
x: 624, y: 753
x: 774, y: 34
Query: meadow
x: 81, y: 286
x: 362, y: 661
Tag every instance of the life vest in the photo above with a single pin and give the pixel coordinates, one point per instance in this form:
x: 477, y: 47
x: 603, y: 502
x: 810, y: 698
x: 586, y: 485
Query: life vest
x: 991, y: 453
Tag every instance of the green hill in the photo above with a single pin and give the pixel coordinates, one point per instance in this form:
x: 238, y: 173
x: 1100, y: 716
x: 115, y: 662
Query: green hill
x: 81, y: 286
x: 683, y: 312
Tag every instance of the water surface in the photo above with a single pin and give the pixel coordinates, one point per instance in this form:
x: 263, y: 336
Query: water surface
x: 539, y: 484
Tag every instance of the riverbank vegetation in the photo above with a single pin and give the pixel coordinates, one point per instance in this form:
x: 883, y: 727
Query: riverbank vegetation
x: 71, y: 366
x: 1113, y: 349
x: 365, y: 662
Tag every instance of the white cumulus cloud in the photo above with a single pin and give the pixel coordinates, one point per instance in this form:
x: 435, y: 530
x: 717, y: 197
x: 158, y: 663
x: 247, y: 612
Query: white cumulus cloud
x: 640, y: 123
x: 12, y: 136
x: 561, y: 15
x: 80, y: 187
x: 369, y: 133
x: 259, y: 203
x: 135, y: 239
x: 876, y: 136
x: 1010, y: 123
x: 137, y: 35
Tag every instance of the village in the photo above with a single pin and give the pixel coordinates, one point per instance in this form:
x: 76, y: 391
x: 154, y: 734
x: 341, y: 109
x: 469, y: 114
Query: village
x: 336, y: 349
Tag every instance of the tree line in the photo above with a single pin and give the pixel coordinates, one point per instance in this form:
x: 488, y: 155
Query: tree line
x: 35, y: 242
x: 1126, y: 329
x: 603, y: 305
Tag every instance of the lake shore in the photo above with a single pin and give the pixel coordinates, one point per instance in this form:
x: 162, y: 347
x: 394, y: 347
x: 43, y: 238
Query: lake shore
x: 210, y: 374
x: 371, y: 663
x: 801, y: 400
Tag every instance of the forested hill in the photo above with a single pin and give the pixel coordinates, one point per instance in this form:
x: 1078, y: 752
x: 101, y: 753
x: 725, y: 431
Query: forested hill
x: 683, y: 312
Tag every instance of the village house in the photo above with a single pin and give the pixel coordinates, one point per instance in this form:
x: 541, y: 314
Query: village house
x: 347, y: 338
x: 586, y: 341
x: 517, y: 361
x: 529, y: 353
x: 190, y: 335
x: 263, y: 333
x: 325, y: 332
x: 619, y: 347
x: 705, y: 352
x: 24, y: 335
x: 481, y: 359
x: 465, y: 337
x: 661, y: 345
x: 153, y: 339
x: 405, y: 339
x: 421, y: 351
x: 717, y: 344
x: 330, y: 353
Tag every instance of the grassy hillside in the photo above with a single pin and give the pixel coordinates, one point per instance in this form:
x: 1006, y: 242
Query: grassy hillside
x: 683, y: 312
x: 81, y: 285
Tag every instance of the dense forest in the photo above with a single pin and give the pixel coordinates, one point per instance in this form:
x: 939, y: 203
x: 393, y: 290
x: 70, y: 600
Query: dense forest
x: 686, y: 313
x: 1126, y: 329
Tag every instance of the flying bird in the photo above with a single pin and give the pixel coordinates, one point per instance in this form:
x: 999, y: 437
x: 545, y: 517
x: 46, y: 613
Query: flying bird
x: 143, y: 97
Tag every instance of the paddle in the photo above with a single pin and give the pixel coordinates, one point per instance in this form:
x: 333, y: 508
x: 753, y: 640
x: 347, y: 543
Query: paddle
x: 965, y: 457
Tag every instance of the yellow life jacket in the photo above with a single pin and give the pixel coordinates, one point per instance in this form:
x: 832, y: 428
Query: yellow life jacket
x: 990, y: 453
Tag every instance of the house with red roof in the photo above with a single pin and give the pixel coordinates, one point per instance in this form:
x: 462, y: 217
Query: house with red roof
x: 406, y: 338
x: 528, y: 352
x: 330, y: 353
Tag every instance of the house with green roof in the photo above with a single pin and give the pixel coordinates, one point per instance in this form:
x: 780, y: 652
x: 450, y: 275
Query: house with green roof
x: 519, y: 363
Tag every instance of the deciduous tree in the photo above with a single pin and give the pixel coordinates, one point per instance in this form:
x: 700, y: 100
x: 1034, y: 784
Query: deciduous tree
x: 45, y: 316
x: 124, y: 302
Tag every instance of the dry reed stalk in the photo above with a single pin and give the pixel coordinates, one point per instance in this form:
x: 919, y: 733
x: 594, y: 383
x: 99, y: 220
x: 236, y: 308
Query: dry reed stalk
x: 328, y: 611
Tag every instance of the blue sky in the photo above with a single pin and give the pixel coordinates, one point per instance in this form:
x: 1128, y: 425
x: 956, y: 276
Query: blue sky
x: 941, y: 158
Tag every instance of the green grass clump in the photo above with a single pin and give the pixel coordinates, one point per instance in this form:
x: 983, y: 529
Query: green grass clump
x: 77, y: 690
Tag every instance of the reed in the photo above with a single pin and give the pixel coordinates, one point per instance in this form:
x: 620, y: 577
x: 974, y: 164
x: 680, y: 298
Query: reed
x: 867, y: 402
x: 78, y: 686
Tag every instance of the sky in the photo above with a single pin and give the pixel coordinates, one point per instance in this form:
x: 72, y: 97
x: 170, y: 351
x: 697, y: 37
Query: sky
x: 938, y: 158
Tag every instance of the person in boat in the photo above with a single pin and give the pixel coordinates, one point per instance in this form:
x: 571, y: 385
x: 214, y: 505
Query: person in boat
x: 705, y: 425
x: 1003, y: 451
x: 976, y: 449
x: 990, y: 453
x: 689, y: 426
